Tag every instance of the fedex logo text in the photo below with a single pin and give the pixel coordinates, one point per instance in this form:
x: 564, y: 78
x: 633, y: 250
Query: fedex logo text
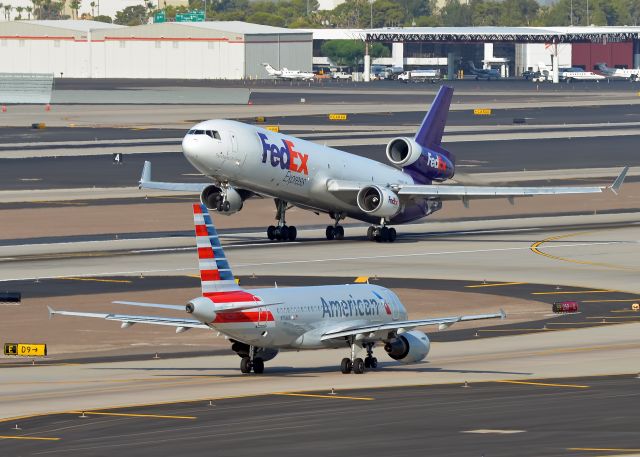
x: 285, y: 156
x: 435, y: 161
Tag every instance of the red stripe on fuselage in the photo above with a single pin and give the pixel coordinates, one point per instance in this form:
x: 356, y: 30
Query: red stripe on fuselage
x: 231, y: 296
x: 237, y: 317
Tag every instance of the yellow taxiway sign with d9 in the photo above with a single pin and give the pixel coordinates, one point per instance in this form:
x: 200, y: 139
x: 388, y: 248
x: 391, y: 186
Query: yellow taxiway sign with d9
x: 25, y: 350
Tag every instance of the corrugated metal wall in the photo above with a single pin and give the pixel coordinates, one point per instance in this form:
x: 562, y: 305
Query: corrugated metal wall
x: 293, y: 51
x: 587, y: 55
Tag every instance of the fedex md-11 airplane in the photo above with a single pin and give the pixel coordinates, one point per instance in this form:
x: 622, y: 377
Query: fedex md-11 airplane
x: 244, y: 160
x: 260, y: 322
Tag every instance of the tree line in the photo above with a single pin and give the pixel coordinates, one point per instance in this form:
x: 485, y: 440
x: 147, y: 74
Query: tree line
x: 361, y: 13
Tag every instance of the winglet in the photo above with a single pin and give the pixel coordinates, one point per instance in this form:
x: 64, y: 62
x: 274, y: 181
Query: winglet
x: 617, y: 184
x: 51, y: 312
x: 145, y: 177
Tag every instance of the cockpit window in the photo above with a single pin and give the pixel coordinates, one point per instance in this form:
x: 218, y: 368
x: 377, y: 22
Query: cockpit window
x: 213, y: 134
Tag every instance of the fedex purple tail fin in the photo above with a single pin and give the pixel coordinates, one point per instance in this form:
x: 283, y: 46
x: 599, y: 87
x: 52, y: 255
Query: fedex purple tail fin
x: 429, y: 135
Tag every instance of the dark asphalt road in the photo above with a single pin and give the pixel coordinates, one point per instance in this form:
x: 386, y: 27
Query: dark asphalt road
x: 565, y: 417
x: 472, y: 157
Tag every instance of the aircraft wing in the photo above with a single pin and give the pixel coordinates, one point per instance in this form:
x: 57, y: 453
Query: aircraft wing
x: 442, y: 322
x: 132, y: 319
x: 449, y: 192
x: 146, y: 182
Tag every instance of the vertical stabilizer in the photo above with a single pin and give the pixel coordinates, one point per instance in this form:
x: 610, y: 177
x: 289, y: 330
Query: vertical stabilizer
x: 429, y: 135
x: 215, y: 272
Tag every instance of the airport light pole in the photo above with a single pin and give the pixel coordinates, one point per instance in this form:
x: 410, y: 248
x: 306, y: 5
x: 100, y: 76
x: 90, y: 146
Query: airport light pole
x: 371, y: 23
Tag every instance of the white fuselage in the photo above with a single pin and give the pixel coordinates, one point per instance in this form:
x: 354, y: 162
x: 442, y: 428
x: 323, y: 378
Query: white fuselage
x: 303, y: 314
x: 284, y: 167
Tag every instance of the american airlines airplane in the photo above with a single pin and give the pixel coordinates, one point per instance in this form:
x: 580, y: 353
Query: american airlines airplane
x: 260, y: 322
x: 287, y: 74
x: 244, y: 160
x: 632, y: 74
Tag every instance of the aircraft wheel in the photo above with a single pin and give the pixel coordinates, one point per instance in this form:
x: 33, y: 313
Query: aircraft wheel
x: 367, y: 362
x: 284, y: 233
x: 245, y: 365
x: 358, y: 366
x: 226, y: 206
x: 219, y: 207
x: 293, y: 233
x: 271, y: 232
x: 371, y: 233
x: 392, y: 235
x: 258, y: 365
x: 384, y: 234
x: 345, y: 366
x: 373, y: 363
x: 330, y: 233
x: 339, y: 232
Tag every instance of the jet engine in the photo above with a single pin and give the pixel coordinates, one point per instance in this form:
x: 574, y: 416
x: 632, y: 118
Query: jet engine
x: 202, y: 309
x: 378, y: 201
x: 408, y: 347
x: 214, y: 199
x: 242, y: 350
x: 403, y: 151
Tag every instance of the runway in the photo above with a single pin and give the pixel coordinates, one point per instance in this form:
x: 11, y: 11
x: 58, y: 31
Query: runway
x: 540, y: 418
x: 69, y: 245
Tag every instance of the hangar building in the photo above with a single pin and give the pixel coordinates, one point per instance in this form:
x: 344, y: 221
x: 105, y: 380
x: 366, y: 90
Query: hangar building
x: 184, y: 50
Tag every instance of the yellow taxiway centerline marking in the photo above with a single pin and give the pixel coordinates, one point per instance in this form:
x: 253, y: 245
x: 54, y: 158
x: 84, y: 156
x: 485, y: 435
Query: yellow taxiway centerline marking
x: 545, y: 384
x: 601, y: 449
x: 361, y: 279
x: 94, y: 279
x: 151, y: 416
x: 564, y: 292
x: 497, y: 284
x: 341, y: 397
x: 35, y: 438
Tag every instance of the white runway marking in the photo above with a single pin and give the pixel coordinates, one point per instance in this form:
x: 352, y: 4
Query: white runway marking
x: 498, y: 432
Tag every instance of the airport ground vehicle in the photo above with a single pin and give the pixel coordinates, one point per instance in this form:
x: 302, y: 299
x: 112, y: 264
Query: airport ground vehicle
x: 341, y: 75
x: 260, y: 322
x: 420, y: 76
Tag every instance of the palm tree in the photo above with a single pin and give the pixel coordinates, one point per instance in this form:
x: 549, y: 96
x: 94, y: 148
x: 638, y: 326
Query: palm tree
x: 93, y: 6
x: 75, y: 6
x: 19, y: 9
x: 7, y: 12
x: 29, y: 10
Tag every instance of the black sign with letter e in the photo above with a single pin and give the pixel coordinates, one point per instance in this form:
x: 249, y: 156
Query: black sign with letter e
x: 117, y: 158
x: 10, y: 349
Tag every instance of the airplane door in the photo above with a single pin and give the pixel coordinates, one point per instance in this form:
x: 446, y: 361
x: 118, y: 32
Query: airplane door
x: 235, y: 153
x: 262, y: 317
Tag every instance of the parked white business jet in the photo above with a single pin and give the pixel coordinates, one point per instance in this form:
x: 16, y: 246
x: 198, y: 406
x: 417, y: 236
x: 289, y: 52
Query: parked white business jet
x: 260, y: 322
x: 632, y: 74
x: 285, y: 73
x: 244, y: 160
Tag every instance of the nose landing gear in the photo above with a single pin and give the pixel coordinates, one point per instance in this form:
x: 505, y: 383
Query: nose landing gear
x: 282, y: 232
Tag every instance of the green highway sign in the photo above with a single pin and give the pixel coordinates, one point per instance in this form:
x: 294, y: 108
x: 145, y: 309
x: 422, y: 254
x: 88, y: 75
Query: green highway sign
x: 159, y: 17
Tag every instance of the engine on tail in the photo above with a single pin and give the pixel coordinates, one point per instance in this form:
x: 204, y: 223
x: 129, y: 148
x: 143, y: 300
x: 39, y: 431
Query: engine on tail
x: 378, y: 201
x: 424, y: 164
x: 215, y: 198
x: 408, y: 347
x: 202, y: 309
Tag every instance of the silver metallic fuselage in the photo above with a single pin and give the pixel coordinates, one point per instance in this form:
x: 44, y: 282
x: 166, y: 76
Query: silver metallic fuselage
x: 242, y: 157
x: 302, y: 315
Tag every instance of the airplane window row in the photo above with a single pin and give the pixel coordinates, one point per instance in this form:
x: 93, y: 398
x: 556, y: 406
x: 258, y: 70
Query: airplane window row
x: 211, y: 133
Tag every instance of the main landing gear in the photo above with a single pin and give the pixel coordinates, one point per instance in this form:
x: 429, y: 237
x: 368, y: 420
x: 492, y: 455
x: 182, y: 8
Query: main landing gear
x: 381, y: 234
x: 282, y: 232
x: 335, y: 231
x: 356, y: 364
x: 251, y: 363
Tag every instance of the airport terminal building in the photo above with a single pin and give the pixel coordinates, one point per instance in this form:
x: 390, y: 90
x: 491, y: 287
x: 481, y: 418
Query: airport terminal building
x: 184, y: 50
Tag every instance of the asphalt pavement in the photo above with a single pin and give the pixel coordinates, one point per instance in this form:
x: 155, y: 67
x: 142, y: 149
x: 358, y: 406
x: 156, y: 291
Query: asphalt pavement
x: 544, y: 417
